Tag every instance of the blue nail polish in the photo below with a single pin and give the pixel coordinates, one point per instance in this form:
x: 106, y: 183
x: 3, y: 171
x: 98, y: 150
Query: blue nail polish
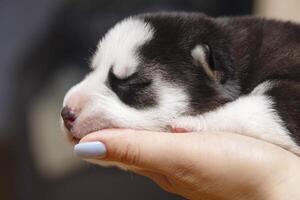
x: 90, y: 149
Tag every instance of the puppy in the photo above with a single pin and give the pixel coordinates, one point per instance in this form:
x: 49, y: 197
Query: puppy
x: 187, y: 72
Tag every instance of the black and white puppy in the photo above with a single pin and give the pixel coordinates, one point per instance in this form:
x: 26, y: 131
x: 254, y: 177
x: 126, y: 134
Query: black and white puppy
x: 192, y: 72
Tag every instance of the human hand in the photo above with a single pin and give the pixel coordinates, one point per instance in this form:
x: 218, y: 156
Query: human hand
x: 202, y: 166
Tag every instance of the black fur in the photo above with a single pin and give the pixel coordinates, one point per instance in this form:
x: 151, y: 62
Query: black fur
x: 247, y: 50
x: 176, y: 34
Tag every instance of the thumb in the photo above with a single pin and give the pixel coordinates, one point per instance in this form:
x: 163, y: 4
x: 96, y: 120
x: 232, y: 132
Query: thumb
x: 148, y: 150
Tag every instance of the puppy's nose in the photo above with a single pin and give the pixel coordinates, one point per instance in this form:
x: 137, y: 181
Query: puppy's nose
x: 68, y: 117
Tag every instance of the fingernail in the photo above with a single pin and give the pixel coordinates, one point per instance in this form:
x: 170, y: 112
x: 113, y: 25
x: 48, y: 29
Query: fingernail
x: 90, y: 149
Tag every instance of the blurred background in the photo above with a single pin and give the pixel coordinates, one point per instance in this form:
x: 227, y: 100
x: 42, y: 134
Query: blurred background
x: 45, y: 47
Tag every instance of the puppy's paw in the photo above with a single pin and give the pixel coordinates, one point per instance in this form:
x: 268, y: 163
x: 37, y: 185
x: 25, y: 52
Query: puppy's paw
x: 187, y: 124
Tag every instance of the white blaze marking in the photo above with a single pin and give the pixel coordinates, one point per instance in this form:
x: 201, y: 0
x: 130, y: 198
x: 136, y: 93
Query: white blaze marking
x: 119, y: 47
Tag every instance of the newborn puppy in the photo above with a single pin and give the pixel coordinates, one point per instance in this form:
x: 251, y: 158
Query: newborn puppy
x: 185, y: 72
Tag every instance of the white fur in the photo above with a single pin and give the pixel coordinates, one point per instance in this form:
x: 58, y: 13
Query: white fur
x: 118, y: 48
x: 251, y: 115
x: 263, y: 88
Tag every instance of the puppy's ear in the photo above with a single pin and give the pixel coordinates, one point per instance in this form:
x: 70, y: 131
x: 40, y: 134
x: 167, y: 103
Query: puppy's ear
x: 216, y: 65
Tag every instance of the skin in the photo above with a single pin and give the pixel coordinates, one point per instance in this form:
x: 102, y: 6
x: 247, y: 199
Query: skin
x: 210, y: 166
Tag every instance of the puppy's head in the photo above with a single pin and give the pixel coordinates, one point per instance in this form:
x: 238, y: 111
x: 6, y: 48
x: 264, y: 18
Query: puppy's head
x: 148, y: 70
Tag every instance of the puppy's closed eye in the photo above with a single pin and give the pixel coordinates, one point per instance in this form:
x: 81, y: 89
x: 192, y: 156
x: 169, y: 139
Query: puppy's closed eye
x: 134, y: 90
x: 131, y: 82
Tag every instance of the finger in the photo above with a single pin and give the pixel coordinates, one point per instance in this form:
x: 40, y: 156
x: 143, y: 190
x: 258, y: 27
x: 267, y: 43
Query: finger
x: 148, y: 150
x: 169, y: 153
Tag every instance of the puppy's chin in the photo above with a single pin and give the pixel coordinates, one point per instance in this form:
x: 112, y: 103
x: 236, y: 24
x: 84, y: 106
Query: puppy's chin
x: 69, y: 136
x: 75, y: 137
